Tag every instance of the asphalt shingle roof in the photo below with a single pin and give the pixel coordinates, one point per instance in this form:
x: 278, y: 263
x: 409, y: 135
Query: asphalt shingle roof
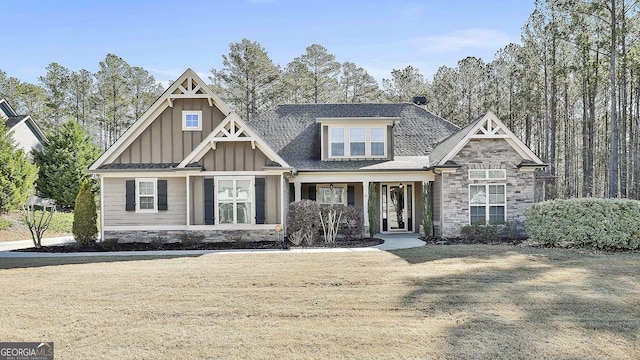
x: 14, y: 120
x: 291, y: 130
x: 145, y: 166
x: 449, y: 143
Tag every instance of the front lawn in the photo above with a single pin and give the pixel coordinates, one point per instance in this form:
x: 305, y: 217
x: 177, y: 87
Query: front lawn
x: 451, y: 302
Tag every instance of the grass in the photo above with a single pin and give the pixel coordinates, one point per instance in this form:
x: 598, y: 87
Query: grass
x: 5, y: 224
x: 445, y: 302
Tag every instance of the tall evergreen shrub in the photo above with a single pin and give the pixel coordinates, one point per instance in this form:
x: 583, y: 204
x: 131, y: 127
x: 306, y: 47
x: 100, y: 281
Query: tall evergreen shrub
x: 85, y: 228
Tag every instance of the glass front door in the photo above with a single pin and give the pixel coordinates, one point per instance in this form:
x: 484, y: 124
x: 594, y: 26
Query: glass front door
x: 396, y: 207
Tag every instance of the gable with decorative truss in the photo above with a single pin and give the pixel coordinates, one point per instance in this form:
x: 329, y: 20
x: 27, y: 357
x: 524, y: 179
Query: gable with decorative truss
x: 487, y: 127
x: 187, y: 87
x: 231, y: 130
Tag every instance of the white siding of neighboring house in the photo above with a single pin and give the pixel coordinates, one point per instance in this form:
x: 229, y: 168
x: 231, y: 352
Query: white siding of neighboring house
x: 24, y: 138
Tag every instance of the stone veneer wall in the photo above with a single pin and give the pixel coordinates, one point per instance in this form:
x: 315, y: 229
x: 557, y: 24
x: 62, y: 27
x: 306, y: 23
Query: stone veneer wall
x: 168, y: 236
x: 485, y: 154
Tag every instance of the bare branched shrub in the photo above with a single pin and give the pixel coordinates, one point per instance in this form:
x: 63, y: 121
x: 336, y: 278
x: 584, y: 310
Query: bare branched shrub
x: 38, y: 221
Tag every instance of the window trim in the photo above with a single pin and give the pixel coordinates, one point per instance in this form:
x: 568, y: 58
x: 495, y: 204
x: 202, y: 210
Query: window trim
x: 320, y: 188
x: 487, y: 205
x: 155, y: 195
x: 343, y: 142
x: 252, y: 200
x: 185, y: 113
x: 486, y: 175
x: 367, y: 142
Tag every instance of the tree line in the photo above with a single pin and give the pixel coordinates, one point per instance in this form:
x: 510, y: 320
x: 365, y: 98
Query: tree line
x: 570, y: 90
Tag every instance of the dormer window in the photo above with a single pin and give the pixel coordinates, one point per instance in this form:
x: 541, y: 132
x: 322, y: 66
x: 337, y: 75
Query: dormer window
x: 377, y: 141
x: 192, y: 120
x: 357, y: 141
x: 362, y: 142
x: 356, y: 138
x: 337, y: 142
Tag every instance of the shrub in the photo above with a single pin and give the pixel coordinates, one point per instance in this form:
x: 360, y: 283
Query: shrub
x: 352, y: 222
x: 85, y: 226
x: 427, y: 210
x: 303, y: 221
x: 591, y: 223
x: 5, y: 224
x: 372, y: 206
x: 480, y: 233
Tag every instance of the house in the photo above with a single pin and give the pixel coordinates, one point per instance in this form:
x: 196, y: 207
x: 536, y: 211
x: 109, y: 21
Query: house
x: 24, y: 131
x: 189, y: 166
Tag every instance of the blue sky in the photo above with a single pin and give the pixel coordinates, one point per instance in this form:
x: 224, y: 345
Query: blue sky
x: 166, y: 37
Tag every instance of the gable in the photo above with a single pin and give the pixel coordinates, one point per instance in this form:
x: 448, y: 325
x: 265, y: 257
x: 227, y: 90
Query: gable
x: 487, y: 128
x: 160, y: 136
x: 164, y: 140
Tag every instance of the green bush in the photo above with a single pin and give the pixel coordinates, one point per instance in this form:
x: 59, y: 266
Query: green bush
x: 480, y: 233
x: 85, y: 228
x: 372, y: 207
x: 5, y: 224
x: 610, y: 224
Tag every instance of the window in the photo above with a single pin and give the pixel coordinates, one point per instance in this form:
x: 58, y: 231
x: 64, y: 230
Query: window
x: 337, y: 142
x: 484, y: 174
x: 146, y: 195
x: 363, y: 142
x: 234, y: 200
x: 192, y: 120
x: 356, y: 142
x: 332, y: 195
x: 487, y: 204
x: 377, y: 142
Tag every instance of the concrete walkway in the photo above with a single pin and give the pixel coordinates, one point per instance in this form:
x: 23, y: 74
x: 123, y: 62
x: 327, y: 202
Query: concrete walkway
x: 391, y: 242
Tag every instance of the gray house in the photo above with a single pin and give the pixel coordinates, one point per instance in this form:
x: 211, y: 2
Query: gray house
x: 23, y: 130
x: 190, y: 165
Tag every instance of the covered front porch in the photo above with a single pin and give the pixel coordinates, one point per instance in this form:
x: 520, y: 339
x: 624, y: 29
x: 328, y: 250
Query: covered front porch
x: 398, y: 195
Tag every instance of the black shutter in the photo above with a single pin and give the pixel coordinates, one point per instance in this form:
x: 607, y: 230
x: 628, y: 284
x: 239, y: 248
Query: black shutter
x: 260, y: 201
x: 351, y: 196
x: 131, y: 196
x: 162, y: 195
x: 209, y: 202
x: 312, y: 192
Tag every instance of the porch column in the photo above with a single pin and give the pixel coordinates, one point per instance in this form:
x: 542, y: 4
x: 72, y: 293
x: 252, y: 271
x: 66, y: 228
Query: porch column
x: 365, y: 203
x: 188, y: 201
x: 298, y: 190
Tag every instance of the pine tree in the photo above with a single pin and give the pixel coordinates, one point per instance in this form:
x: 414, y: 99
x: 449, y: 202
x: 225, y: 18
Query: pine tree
x: 17, y: 174
x: 63, y: 162
x: 85, y: 226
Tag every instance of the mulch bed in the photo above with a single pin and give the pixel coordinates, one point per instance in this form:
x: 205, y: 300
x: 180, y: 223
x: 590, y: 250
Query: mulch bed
x: 234, y: 245
x: 436, y: 240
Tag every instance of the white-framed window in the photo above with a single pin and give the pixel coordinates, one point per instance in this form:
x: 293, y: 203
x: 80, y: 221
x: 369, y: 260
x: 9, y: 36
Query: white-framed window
x: 235, y: 200
x: 332, y: 195
x: 357, y: 142
x: 487, y: 174
x: 146, y: 194
x: 192, y: 120
x: 363, y: 142
x: 487, y: 204
x: 377, y: 142
x: 337, y: 141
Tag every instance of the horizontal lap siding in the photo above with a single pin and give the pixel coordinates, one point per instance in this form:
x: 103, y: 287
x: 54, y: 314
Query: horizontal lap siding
x: 116, y: 215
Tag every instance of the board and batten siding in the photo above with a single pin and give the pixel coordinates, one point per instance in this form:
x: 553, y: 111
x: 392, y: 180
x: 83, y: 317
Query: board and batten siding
x: 114, y: 190
x: 234, y: 156
x: 164, y: 141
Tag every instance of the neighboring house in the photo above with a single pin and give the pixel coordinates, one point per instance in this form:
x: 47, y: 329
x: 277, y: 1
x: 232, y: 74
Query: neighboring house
x: 24, y: 131
x: 191, y: 166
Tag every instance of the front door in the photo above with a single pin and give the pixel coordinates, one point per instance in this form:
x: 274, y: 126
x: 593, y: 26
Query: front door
x: 396, y: 207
